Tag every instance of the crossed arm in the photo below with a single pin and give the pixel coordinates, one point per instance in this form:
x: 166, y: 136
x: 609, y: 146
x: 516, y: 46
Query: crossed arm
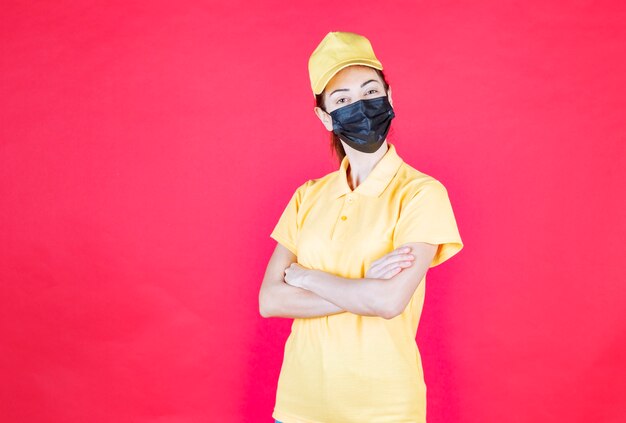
x: 320, y: 293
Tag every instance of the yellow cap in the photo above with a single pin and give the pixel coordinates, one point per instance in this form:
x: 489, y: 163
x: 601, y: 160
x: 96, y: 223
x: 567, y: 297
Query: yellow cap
x: 336, y: 51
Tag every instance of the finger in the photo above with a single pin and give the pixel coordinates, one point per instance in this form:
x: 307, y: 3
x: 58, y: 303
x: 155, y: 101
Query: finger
x: 400, y: 265
x: 391, y: 273
x: 376, y: 264
x: 396, y: 258
x: 399, y: 250
x: 402, y: 250
x: 374, y: 271
x: 385, y: 272
x: 396, y: 255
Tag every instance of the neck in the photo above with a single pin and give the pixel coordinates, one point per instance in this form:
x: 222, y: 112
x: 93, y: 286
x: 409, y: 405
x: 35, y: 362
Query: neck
x: 361, y: 164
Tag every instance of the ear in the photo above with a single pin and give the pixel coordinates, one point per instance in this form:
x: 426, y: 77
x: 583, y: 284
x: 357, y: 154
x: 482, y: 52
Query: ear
x: 324, y: 117
x: 389, y: 96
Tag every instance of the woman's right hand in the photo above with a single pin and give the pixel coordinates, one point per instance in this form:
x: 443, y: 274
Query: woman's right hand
x: 391, y: 264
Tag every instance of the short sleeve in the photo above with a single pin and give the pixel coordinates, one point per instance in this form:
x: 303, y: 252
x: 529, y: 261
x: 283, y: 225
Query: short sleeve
x: 286, y: 230
x: 428, y: 217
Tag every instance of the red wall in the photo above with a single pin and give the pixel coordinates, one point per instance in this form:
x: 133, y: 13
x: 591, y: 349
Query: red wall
x: 148, y: 148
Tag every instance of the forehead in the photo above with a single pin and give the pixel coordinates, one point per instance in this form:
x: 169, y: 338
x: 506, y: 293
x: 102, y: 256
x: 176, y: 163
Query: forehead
x: 351, y: 77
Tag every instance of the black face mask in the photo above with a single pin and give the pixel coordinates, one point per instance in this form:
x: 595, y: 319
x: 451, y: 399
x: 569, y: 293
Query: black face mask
x: 364, y: 124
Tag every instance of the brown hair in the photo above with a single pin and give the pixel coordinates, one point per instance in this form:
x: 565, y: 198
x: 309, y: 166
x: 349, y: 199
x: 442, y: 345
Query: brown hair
x: 335, y: 141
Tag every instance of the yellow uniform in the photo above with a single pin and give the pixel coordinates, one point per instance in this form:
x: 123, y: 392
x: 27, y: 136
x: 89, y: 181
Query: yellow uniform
x: 347, y: 368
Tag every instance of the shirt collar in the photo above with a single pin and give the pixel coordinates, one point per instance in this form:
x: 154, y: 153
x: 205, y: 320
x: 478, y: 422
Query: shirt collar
x: 376, y: 181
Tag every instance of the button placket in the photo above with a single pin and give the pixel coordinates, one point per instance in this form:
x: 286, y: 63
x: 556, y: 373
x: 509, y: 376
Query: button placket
x: 345, y: 215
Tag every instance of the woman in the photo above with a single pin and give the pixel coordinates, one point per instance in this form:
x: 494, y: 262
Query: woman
x: 353, y: 250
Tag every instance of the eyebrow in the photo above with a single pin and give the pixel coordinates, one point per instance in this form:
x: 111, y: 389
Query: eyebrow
x: 346, y: 89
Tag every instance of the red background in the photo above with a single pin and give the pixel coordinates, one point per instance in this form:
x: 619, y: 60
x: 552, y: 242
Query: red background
x: 148, y: 148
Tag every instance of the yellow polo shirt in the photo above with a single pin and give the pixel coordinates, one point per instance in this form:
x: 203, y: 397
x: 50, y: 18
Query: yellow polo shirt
x: 348, y: 368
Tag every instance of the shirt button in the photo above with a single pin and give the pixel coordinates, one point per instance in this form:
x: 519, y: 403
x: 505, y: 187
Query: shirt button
x: 350, y: 199
x: 343, y: 217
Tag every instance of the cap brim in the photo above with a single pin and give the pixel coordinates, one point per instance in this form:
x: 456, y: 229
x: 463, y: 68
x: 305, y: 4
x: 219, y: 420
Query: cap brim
x: 321, y: 84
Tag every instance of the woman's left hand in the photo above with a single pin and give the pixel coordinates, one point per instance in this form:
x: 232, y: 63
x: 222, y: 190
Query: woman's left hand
x: 296, y: 275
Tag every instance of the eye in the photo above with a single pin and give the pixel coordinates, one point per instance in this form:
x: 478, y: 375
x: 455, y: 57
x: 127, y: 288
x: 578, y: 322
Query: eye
x: 372, y: 90
x: 341, y: 102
